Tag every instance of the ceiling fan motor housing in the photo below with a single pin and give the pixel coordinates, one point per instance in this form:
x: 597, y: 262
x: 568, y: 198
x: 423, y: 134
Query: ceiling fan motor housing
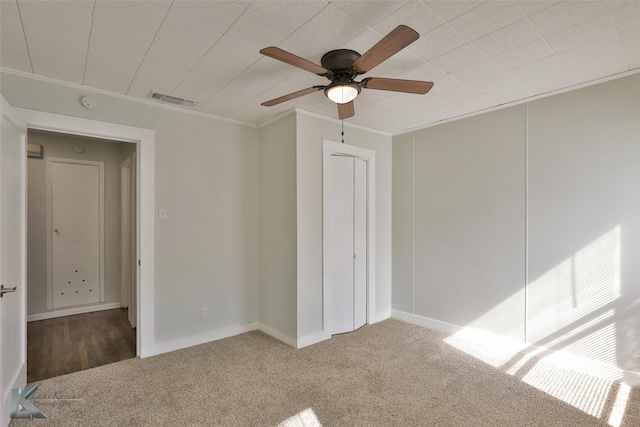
x: 339, y: 62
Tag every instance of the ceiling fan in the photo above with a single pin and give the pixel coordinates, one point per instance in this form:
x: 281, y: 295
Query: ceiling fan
x: 342, y: 66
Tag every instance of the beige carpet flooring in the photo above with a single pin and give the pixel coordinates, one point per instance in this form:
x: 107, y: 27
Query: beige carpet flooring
x: 388, y: 374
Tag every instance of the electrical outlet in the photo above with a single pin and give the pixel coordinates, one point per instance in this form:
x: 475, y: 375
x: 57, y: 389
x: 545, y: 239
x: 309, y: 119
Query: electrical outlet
x: 204, y: 313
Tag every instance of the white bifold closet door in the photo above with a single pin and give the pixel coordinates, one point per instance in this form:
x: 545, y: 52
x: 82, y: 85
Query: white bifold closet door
x: 347, y: 237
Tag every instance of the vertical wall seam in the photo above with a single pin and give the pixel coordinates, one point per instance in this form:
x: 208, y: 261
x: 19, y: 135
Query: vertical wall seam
x: 526, y: 217
x: 413, y: 223
x: 353, y: 236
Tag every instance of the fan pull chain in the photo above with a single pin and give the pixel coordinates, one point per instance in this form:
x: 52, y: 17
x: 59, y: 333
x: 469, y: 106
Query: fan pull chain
x: 342, y: 132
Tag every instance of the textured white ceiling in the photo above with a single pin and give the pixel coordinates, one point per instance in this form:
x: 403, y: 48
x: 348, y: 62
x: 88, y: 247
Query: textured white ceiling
x: 478, y: 54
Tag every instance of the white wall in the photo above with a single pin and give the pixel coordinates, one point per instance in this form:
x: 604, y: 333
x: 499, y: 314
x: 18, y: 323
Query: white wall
x: 468, y: 222
x: 207, y: 252
x: 278, y: 226
x: 207, y: 176
x: 462, y: 262
x: 584, y: 222
x: 402, y: 244
x: 61, y: 146
x: 311, y: 131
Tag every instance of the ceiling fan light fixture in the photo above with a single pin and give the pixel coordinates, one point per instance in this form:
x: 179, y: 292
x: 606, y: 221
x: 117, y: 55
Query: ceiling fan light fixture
x: 342, y: 93
x: 342, y: 66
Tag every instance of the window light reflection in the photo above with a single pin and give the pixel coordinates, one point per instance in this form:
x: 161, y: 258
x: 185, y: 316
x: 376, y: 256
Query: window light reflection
x: 306, y: 418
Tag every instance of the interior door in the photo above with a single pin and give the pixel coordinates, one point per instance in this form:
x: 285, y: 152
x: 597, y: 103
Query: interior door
x: 341, y: 245
x: 128, y: 238
x: 125, y: 232
x: 359, y: 243
x: 347, y: 233
x: 13, y: 316
x: 76, y: 220
x: 133, y: 239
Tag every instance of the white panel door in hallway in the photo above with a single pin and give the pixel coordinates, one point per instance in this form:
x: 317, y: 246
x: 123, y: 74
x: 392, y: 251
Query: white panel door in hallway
x: 76, y: 205
x: 347, y: 239
x: 13, y: 307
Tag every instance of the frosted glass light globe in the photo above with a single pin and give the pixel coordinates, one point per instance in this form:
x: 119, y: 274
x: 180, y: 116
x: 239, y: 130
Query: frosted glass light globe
x: 341, y: 94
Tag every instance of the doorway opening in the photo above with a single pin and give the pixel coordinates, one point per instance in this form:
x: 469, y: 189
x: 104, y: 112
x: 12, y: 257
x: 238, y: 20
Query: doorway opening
x: 77, y: 268
x: 144, y: 139
x: 348, y: 237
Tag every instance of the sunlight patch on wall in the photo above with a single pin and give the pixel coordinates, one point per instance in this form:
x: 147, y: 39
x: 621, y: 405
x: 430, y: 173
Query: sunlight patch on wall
x: 599, y: 345
x: 565, y: 299
x: 577, y: 348
x: 306, y: 418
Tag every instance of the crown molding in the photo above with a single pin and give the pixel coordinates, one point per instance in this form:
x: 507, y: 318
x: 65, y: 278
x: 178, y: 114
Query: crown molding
x: 129, y: 98
x: 346, y: 124
x: 525, y: 100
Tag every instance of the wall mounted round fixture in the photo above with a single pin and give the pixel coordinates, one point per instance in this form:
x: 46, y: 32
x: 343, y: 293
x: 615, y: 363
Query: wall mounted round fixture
x: 78, y: 149
x: 89, y: 102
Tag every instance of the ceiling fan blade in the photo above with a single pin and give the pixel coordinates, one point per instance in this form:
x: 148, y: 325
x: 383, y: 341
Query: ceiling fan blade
x: 291, y: 59
x: 401, y: 37
x: 397, y: 85
x: 346, y: 110
x: 290, y: 96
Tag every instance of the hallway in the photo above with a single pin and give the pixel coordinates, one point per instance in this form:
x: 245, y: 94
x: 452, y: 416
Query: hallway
x: 73, y: 343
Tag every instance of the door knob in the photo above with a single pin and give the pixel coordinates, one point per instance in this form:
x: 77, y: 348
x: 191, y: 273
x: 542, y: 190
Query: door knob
x: 4, y: 290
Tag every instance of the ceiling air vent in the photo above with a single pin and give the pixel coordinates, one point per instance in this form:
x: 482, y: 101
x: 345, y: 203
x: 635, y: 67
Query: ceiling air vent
x: 172, y: 99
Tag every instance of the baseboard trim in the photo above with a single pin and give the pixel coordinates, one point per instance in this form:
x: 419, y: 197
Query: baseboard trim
x: 382, y: 316
x: 72, y: 311
x: 426, y: 322
x: 218, y: 334
x: 311, y: 339
x: 190, y: 341
x: 278, y: 335
x: 295, y: 343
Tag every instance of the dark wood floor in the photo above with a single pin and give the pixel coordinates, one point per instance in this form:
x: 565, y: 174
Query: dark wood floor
x: 68, y: 344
